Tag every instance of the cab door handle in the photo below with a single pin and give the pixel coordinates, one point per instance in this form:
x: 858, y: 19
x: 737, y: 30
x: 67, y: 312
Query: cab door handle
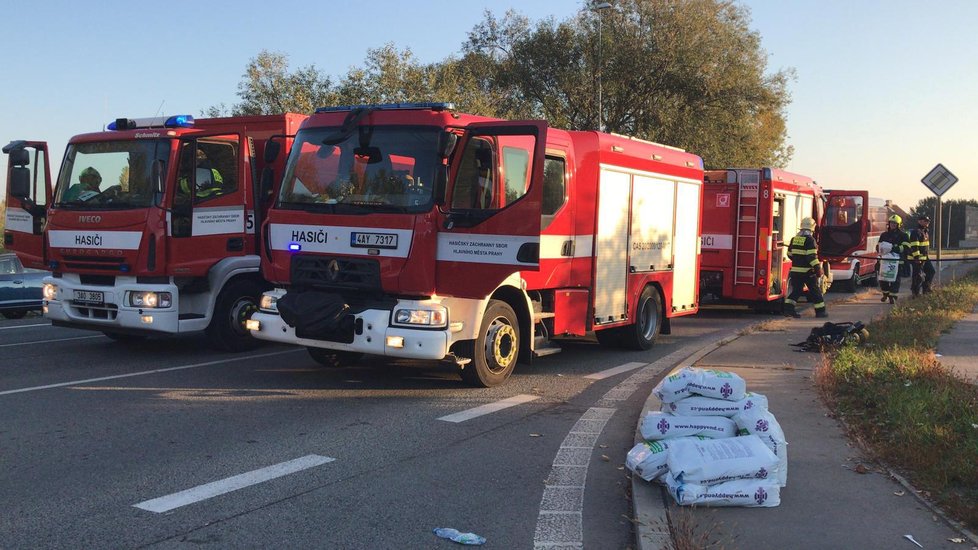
x: 235, y: 244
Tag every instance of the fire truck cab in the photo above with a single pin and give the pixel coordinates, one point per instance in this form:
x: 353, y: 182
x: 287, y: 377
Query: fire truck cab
x: 849, y: 234
x: 414, y: 231
x: 152, y: 226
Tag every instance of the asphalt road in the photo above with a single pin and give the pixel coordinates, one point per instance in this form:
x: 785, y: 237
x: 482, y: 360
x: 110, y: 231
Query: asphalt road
x: 167, y: 443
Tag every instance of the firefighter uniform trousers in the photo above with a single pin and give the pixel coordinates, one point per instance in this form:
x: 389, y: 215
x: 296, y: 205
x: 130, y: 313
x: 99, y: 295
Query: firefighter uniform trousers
x: 803, y: 253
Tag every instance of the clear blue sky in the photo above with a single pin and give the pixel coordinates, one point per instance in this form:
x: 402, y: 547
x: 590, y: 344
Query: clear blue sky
x: 885, y: 88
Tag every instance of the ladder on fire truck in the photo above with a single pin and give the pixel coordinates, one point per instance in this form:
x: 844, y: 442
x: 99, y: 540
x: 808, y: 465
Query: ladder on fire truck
x: 745, y: 256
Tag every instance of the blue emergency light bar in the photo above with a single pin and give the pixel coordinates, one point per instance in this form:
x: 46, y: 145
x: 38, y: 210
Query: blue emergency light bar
x: 176, y: 121
x: 434, y: 106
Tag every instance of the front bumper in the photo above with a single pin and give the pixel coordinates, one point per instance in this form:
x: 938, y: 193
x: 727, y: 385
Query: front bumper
x: 372, y: 338
x: 113, y: 313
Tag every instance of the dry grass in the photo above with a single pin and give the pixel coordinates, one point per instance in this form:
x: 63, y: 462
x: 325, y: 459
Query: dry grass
x: 688, y: 534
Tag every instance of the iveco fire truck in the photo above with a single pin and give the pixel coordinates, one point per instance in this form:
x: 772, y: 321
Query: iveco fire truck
x: 749, y: 216
x: 152, y: 227
x: 415, y: 231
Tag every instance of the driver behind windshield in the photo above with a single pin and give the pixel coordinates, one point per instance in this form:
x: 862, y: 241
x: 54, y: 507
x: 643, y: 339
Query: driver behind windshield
x: 90, y: 180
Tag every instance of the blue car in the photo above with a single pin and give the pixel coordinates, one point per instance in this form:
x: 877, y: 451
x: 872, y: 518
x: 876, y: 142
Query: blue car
x: 20, y: 289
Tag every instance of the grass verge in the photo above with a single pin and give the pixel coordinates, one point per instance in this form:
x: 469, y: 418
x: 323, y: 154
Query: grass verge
x: 912, y: 412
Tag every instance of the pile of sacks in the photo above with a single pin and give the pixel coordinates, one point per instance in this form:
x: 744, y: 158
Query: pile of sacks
x: 713, y: 443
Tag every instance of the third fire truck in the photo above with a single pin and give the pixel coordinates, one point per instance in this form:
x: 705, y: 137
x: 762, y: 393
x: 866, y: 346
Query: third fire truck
x: 418, y: 232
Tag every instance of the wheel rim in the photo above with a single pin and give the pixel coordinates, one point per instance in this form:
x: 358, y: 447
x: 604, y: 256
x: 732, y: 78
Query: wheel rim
x: 243, y: 309
x: 502, y: 345
x: 648, y: 318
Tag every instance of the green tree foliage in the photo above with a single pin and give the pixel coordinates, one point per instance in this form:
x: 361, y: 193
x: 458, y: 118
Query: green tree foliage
x: 688, y: 73
x: 952, y: 218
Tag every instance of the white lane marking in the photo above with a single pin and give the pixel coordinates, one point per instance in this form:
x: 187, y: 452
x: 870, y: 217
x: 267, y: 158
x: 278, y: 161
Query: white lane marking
x: 145, y: 372
x: 26, y: 326
x: 613, y: 371
x: 490, y: 408
x: 50, y: 341
x: 240, y: 481
x: 560, y: 522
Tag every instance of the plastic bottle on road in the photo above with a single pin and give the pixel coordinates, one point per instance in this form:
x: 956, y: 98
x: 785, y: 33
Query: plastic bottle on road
x: 461, y: 538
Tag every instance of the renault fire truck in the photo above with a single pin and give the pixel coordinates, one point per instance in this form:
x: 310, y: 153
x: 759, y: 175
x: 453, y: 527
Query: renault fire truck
x: 414, y: 231
x: 850, y: 231
x: 152, y: 227
x: 749, y: 216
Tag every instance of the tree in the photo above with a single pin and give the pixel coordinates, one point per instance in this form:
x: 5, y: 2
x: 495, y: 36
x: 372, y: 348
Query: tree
x: 689, y: 73
x: 953, y: 218
x: 267, y: 87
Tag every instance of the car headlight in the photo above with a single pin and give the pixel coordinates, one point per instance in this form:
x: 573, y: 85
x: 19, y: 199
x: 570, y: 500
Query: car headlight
x: 150, y: 299
x: 50, y: 291
x: 268, y: 303
x: 437, y: 317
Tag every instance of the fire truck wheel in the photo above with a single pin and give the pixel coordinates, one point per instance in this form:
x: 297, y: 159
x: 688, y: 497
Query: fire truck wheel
x: 648, y: 322
x: 334, y: 358
x: 234, y: 305
x: 496, y: 349
x: 15, y: 314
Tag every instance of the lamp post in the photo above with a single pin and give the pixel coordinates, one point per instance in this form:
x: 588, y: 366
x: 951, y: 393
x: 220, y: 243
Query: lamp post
x: 600, y: 8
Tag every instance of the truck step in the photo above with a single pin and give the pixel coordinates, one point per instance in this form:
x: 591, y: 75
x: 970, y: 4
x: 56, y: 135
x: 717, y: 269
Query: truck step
x: 548, y: 349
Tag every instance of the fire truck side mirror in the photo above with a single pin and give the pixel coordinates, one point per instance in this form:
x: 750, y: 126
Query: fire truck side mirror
x: 156, y: 177
x: 267, y: 181
x: 20, y: 182
x: 446, y: 144
x: 272, y: 149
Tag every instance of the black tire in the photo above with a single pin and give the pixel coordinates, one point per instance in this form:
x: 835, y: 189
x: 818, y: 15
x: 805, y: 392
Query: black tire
x: 334, y: 358
x: 609, y: 338
x: 851, y: 284
x: 235, y: 304
x: 497, y: 347
x: 124, y: 338
x: 641, y: 335
x: 14, y: 313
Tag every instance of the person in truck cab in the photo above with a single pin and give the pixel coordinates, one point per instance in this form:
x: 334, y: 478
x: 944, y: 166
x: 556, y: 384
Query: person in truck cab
x: 89, y: 181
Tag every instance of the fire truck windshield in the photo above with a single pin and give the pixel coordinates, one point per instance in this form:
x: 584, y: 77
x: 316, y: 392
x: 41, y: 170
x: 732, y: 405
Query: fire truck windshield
x: 111, y: 175
x: 374, y: 169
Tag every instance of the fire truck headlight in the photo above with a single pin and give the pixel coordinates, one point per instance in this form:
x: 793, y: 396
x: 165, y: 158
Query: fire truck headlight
x: 434, y: 317
x: 49, y: 291
x: 268, y: 303
x: 150, y: 299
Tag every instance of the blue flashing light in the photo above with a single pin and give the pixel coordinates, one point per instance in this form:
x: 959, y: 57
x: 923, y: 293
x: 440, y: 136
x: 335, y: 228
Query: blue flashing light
x: 112, y: 126
x: 431, y: 105
x: 124, y: 268
x: 180, y: 121
x: 53, y: 265
x: 295, y: 247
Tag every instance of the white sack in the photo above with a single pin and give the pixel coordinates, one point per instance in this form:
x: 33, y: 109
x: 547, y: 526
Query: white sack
x: 889, y: 267
x: 648, y: 458
x: 763, y: 424
x: 674, y: 387
x: 752, y: 493
x: 658, y: 425
x: 718, y: 460
x: 697, y: 405
x: 718, y: 384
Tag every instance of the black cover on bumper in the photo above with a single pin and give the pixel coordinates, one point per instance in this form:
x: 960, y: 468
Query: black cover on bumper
x: 319, y: 315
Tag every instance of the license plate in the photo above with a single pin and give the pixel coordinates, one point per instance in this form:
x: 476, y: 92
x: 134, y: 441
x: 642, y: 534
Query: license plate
x: 90, y: 297
x: 373, y: 240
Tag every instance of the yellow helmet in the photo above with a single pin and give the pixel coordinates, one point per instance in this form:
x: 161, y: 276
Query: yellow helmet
x: 896, y: 219
x: 808, y: 224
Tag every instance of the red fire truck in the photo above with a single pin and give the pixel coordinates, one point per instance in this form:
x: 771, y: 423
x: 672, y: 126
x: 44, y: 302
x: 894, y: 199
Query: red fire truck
x: 415, y: 231
x: 850, y: 231
x: 152, y: 227
x: 748, y: 216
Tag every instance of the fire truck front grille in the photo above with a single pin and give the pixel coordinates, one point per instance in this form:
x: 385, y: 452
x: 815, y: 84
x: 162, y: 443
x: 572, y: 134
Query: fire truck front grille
x: 108, y: 312
x: 336, y: 273
x: 100, y: 264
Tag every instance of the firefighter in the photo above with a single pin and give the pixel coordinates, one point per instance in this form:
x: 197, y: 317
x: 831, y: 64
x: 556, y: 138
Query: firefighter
x: 805, y: 271
x: 901, y: 246
x: 923, y: 268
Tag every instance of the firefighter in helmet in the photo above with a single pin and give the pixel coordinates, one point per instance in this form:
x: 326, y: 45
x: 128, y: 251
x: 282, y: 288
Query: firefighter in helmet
x: 923, y: 268
x: 805, y: 271
x: 901, y: 246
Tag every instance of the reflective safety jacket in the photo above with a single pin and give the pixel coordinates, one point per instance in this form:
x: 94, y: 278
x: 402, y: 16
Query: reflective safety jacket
x: 900, y: 241
x: 803, y: 253
x: 919, y: 243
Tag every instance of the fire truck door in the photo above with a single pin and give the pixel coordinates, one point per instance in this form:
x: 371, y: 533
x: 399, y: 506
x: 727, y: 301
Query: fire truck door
x: 28, y: 194
x: 208, y: 219
x: 492, y: 227
x: 844, y: 225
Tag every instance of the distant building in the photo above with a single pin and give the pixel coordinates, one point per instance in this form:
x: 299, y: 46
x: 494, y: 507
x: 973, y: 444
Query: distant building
x: 970, y: 228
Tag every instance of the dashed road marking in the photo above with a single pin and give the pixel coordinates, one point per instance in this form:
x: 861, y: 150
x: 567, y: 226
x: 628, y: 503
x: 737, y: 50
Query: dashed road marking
x: 143, y: 373
x: 50, y: 341
x: 613, y: 371
x: 26, y: 326
x: 489, y: 408
x: 240, y: 481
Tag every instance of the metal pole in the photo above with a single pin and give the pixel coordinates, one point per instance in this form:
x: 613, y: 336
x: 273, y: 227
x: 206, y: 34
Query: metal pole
x: 939, y: 227
x: 600, y: 21
x: 947, y: 243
